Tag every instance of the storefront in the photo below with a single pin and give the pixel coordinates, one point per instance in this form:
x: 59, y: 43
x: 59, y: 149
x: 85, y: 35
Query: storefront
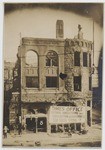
x: 35, y: 122
x: 62, y: 118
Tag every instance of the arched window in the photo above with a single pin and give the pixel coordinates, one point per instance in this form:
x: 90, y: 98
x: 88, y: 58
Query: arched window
x: 32, y: 69
x: 51, y: 59
x: 31, y: 59
x: 52, y: 72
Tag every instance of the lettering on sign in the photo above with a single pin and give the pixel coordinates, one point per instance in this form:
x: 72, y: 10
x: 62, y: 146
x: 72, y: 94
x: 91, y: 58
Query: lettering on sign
x: 66, y: 114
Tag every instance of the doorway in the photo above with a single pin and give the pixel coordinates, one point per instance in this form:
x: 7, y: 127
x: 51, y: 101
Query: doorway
x: 31, y: 124
x: 41, y: 124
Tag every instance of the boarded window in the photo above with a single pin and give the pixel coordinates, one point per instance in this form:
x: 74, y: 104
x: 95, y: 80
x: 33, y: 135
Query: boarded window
x: 32, y: 82
x: 77, y: 58
x: 84, y: 59
x: 51, y: 82
x: 77, y: 83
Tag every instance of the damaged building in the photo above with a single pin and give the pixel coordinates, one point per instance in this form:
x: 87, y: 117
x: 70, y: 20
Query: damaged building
x: 52, y: 87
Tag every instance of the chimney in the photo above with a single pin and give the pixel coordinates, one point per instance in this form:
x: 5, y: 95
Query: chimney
x: 59, y: 29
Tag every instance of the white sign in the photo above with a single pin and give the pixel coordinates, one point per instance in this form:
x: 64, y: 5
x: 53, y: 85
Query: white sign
x: 66, y: 114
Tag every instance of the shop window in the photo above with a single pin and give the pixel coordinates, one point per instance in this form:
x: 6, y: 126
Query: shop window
x: 78, y: 127
x: 53, y: 128
x: 84, y: 59
x: 89, y: 60
x: 60, y: 128
x: 51, y: 82
x: 90, y: 83
x: 77, y: 58
x: 72, y: 126
x: 77, y: 83
x: 51, y: 59
x: 66, y: 127
x: 32, y: 82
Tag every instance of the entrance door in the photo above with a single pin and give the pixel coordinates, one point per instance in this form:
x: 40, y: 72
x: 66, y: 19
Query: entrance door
x: 31, y: 124
x: 42, y: 124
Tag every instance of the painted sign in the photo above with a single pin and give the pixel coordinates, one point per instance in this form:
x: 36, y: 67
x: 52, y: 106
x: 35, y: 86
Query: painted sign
x: 66, y: 114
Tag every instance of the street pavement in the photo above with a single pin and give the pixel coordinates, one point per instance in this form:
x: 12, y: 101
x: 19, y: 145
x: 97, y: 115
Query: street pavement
x: 41, y: 139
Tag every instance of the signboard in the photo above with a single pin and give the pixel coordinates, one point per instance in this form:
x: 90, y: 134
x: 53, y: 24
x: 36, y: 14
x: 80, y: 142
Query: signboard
x: 66, y: 114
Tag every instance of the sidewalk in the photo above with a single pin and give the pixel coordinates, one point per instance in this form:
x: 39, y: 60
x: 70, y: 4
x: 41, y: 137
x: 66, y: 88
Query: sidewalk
x: 92, y: 138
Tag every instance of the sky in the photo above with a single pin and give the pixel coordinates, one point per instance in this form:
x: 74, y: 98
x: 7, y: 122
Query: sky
x: 40, y: 22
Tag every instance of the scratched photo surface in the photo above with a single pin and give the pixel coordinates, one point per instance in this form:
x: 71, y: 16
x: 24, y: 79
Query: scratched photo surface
x: 52, y: 58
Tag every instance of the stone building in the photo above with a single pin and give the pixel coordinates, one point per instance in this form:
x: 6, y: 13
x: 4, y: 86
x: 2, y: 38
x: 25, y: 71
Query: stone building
x: 52, y: 83
x: 8, y: 85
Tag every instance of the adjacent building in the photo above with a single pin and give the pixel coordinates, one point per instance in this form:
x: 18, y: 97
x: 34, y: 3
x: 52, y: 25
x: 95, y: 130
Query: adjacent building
x: 8, y: 86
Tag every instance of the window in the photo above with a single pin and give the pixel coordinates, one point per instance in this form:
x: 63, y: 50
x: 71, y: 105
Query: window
x: 77, y: 58
x: 90, y: 83
x: 51, y: 59
x: 77, y: 83
x: 84, y: 59
x: 89, y: 60
x: 32, y: 82
x: 31, y: 58
x: 51, y: 82
x: 89, y: 103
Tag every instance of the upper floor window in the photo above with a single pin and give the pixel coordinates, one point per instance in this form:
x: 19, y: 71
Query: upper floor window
x: 84, y: 59
x: 31, y: 59
x: 32, y: 80
x: 89, y: 60
x: 76, y: 58
x: 77, y: 83
x: 51, y: 59
x: 90, y: 83
x: 51, y: 82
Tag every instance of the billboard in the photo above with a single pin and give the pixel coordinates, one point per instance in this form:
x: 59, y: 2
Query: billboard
x: 66, y: 114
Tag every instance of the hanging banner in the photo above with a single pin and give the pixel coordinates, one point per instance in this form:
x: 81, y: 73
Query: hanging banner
x: 66, y: 114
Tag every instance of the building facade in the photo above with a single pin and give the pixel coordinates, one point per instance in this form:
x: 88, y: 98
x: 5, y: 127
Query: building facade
x: 52, y: 83
x: 8, y: 86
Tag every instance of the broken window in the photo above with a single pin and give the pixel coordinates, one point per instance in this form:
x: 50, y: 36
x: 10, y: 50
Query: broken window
x: 76, y: 58
x: 77, y: 83
x: 51, y: 59
x: 32, y: 82
x: 31, y: 58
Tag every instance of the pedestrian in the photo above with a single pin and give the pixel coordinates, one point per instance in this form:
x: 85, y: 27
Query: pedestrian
x: 5, y: 131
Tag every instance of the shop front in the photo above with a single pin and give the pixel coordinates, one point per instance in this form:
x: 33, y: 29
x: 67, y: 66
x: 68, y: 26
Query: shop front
x: 35, y: 122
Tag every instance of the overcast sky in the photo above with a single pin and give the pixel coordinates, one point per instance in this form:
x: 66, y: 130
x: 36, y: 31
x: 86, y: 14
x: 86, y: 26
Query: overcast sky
x: 40, y: 22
